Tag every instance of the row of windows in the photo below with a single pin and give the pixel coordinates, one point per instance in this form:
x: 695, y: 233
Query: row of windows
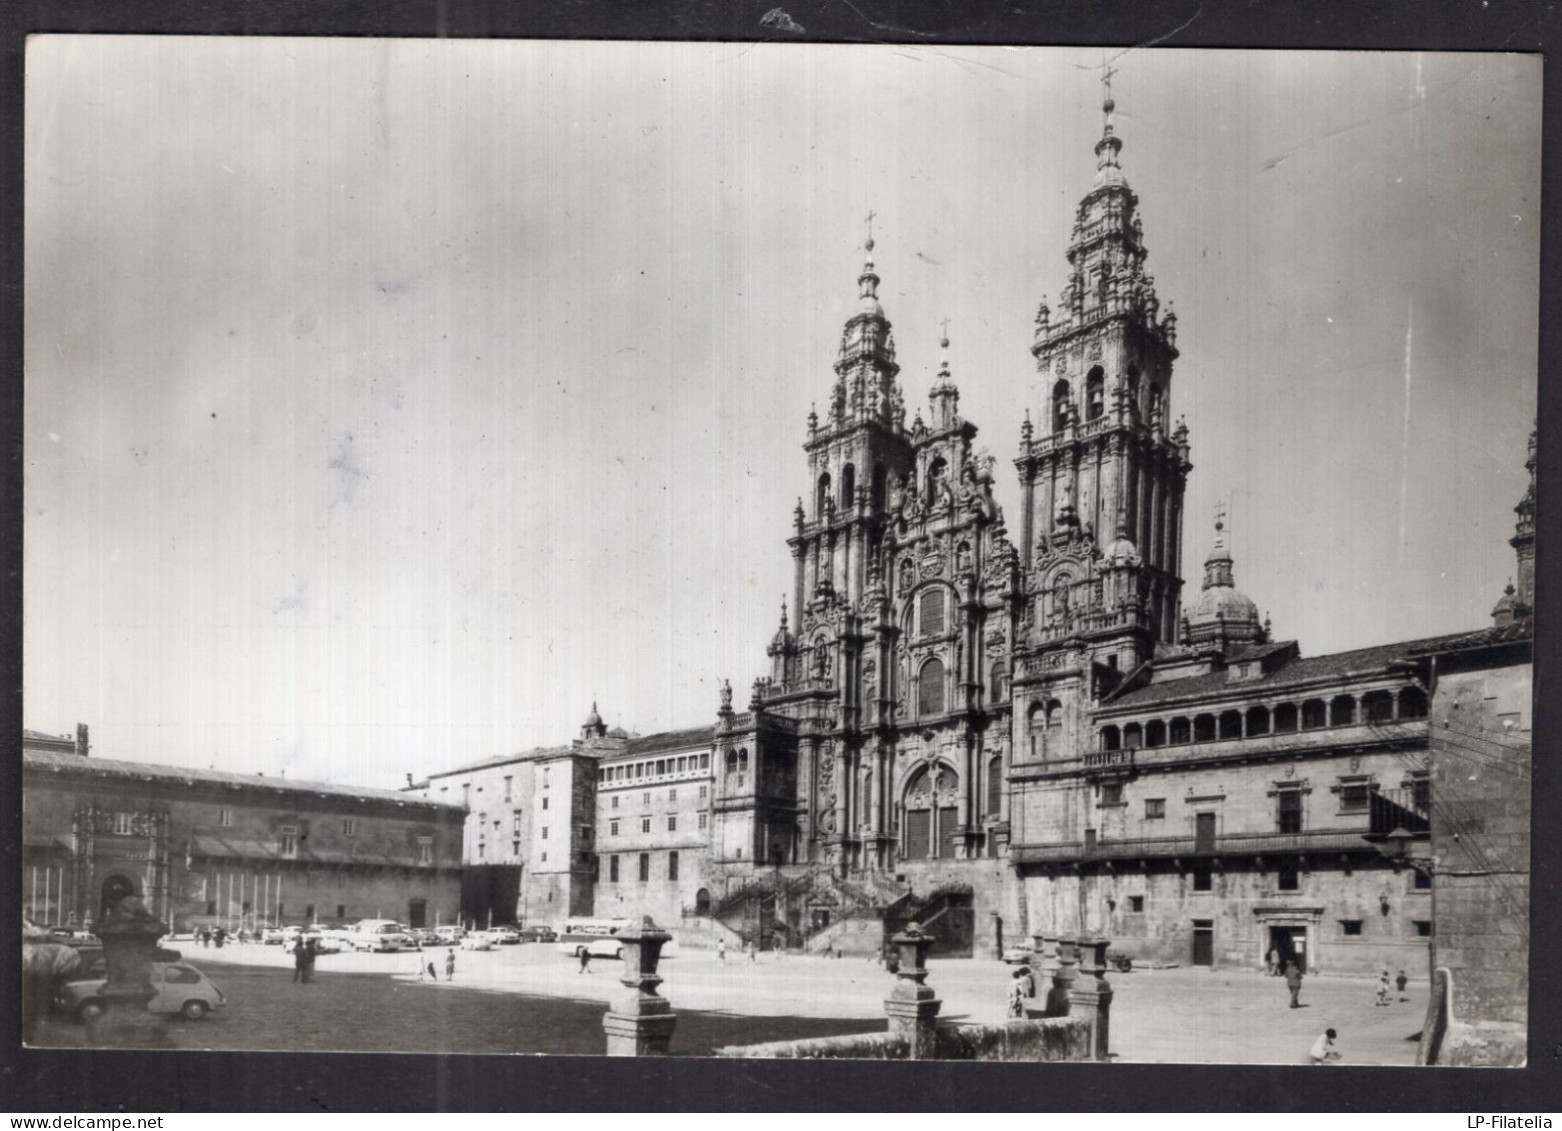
x: 1288, y: 877
x: 1283, y: 718
x: 645, y: 824
x: 823, y: 495
x: 643, y: 867
x: 653, y: 767
x: 672, y: 795
x: 1095, y: 396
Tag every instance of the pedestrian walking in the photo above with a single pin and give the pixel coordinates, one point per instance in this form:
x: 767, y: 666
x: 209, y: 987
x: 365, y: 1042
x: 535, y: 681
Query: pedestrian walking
x: 1016, y: 998
x: 585, y: 961
x: 1274, y: 962
x: 450, y: 965
x: 1323, y: 1050
x: 1382, y: 990
x: 1401, y: 982
x: 220, y: 937
x: 206, y: 936
x: 721, y: 950
x: 1028, y: 980
x: 311, y: 951
x: 753, y: 952
x: 1293, y: 982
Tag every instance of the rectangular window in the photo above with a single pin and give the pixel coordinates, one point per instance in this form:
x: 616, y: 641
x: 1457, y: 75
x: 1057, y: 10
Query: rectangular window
x: 507, y: 783
x: 1423, y: 928
x: 225, y: 818
x: 1350, y: 926
x: 341, y: 910
x: 1288, y: 877
x: 672, y: 865
x: 544, y: 832
x: 544, y: 802
x: 704, y: 761
x: 672, y: 795
x: 1204, y: 832
x: 1289, y: 811
x: 704, y: 789
x: 289, y: 840
x: 704, y: 819
x: 544, y: 857
x: 547, y: 772
x: 122, y: 824
x: 211, y: 907
x: 645, y: 867
x: 645, y: 800
x: 426, y: 850
x: 672, y: 824
x: 1421, y: 793
x: 516, y: 827
x: 1354, y: 796
x: 1090, y: 842
x: 1136, y: 904
x: 612, y: 828
x: 615, y: 801
x: 1203, y: 879
x: 612, y: 869
x: 515, y: 848
x: 932, y: 612
x: 1154, y: 808
x: 645, y: 824
x: 1419, y: 880
x: 349, y: 826
x: 1111, y: 794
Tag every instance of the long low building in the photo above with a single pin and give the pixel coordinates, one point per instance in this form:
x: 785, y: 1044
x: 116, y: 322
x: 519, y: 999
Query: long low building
x: 209, y: 848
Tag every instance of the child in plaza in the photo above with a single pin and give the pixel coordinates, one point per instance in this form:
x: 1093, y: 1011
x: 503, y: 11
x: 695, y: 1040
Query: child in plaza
x: 1382, y: 990
x: 1323, y: 1050
x: 1016, y: 998
x: 450, y: 965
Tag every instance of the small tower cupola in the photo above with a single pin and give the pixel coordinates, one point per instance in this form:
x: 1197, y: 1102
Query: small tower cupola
x: 1222, y: 616
x: 1518, y: 602
x: 944, y: 397
x: 593, y: 726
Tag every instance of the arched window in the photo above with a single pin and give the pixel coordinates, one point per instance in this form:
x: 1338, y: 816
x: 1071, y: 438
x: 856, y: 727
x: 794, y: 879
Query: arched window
x: 848, y: 486
x: 932, y: 613
x: 732, y: 761
x: 1111, y: 739
x: 1000, y: 682
x: 1133, y: 736
x: 1131, y: 387
x: 1257, y: 721
x: 1342, y: 712
x: 1035, y: 724
x: 702, y: 902
x: 1095, y: 393
x: 822, y: 496
x: 930, y: 688
x: 1155, y: 732
x: 1155, y: 398
x: 1060, y: 405
x: 935, y: 476
x: 995, y: 786
x: 1412, y: 703
x: 877, y: 487
x: 1377, y: 707
x: 1204, y: 728
x: 1054, y: 714
x: 1231, y: 724
x: 1285, y: 718
x: 1180, y: 734
x: 1314, y: 714
x: 743, y: 760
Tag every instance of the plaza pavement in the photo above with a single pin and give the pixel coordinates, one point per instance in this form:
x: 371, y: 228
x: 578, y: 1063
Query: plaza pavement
x: 1178, y: 1016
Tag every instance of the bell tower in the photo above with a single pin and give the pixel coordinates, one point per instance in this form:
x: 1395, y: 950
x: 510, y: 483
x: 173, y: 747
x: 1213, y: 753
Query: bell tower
x: 1105, y: 463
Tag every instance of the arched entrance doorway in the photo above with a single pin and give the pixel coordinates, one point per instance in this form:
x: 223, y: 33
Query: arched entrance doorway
x: 932, y: 814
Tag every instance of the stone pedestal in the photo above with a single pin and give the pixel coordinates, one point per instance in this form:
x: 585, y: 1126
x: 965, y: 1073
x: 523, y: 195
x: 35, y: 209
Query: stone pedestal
x: 640, y: 1021
x: 1091, y: 995
x: 912, y: 1007
x: 1063, y: 975
x: 129, y: 942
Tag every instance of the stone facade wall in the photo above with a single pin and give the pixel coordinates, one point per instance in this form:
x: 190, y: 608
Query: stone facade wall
x: 1481, y: 758
x: 214, y: 853
x: 1049, y: 1040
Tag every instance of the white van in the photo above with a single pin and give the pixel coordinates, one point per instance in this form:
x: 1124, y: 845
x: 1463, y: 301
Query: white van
x: 377, y: 934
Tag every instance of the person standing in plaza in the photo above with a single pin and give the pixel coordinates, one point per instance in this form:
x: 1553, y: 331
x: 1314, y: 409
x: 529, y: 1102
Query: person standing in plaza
x: 1274, y: 962
x: 1382, y: 990
x: 311, y: 952
x: 1293, y: 982
x: 450, y: 964
x: 1401, y: 982
x: 721, y: 950
x: 1016, y: 998
x: 298, y: 960
x: 585, y: 960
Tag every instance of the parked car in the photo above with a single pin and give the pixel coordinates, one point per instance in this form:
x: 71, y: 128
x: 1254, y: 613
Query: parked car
x: 477, y: 941
x: 1018, y: 955
x: 180, y: 989
x: 538, y: 934
x: 273, y: 936
x: 448, y: 936
x: 378, y: 935
x: 424, y: 936
x: 504, y: 936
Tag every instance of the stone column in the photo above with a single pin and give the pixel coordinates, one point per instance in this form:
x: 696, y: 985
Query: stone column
x: 912, y: 1006
x: 129, y: 935
x: 1063, y: 975
x: 640, y: 1022
x: 1091, y: 995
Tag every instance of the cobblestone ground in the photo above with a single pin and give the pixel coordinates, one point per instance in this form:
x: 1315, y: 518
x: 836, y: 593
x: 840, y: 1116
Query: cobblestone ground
x: 533, y: 999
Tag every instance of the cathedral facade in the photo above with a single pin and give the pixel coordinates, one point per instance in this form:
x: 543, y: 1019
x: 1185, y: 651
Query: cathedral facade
x: 1005, y: 734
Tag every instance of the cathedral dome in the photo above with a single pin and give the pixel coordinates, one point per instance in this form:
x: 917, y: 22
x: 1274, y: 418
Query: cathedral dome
x: 1222, y: 615
x: 1222, y: 603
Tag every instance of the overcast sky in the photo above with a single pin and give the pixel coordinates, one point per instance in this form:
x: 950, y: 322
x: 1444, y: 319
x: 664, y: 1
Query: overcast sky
x: 387, y: 401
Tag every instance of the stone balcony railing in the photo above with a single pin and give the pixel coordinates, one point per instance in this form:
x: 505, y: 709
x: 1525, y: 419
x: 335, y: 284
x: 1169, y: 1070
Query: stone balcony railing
x: 1289, y: 742
x: 1230, y: 844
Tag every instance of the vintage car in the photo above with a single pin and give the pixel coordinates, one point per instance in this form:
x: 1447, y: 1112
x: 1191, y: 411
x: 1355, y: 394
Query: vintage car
x: 180, y: 989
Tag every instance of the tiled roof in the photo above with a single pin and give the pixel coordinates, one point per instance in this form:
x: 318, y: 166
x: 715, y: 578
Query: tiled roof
x: 1359, y: 661
x: 38, y: 735
x: 1481, y: 638
x: 509, y: 759
x: 671, y: 740
x: 48, y: 760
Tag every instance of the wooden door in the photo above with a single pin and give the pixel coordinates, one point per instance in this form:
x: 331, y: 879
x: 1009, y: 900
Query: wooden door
x: 919, y: 833
x: 1203, y: 942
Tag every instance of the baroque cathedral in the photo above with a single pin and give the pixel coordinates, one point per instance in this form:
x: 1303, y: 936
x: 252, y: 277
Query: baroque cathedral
x: 1001, y: 734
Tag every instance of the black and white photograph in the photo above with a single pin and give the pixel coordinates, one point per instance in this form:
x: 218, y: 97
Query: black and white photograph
x: 779, y: 550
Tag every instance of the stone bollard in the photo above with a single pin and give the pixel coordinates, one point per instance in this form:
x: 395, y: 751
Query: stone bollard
x: 640, y: 1022
x: 911, y: 1005
x: 1091, y: 995
x: 129, y: 935
x: 1063, y: 974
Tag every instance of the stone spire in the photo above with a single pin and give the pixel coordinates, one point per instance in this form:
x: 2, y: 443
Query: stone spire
x: 944, y: 397
x: 593, y: 726
x: 865, y: 387
x: 1518, y: 602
